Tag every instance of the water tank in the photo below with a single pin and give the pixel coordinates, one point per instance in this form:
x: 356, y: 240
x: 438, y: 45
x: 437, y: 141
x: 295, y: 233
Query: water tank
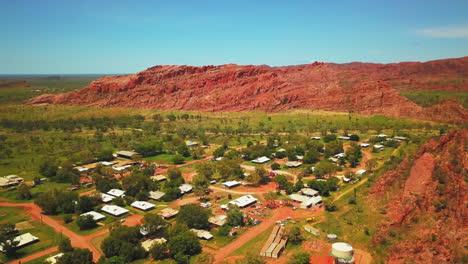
x: 342, y: 250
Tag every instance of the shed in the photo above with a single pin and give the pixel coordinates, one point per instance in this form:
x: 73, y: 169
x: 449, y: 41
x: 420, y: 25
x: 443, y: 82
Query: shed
x: 168, y: 212
x: 158, y: 178
x: 148, y: 244
x: 185, y: 188
x: 231, y: 184
x: 142, y: 205
x: 126, y: 154
x: 114, y: 210
x: 244, y: 201
x: 261, y: 160
x: 202, y: 234
x: 96, y: 216
x: 116, y: 193
x: 156, y: 195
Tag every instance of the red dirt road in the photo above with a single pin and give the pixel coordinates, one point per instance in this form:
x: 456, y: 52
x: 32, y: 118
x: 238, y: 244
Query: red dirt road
x: 77, y: 240
x: 278, y: 214
x: 35, y: 256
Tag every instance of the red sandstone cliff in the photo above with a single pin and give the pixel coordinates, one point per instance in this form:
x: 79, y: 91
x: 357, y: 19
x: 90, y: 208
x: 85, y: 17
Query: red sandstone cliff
x: 426, y: 203
x: 359, y: 87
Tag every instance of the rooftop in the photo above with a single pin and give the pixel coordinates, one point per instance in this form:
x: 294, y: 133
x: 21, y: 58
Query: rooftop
x: 114, y: 210
x: 244, y: 201
x: 156, y: 195
x: 142, y: 205
x: 96, y: 216
x: 261, y: 160
x: 116, y: 193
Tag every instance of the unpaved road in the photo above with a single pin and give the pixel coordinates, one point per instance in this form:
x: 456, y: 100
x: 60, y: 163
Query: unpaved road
x: 278, y: 214
x: 35, y: 255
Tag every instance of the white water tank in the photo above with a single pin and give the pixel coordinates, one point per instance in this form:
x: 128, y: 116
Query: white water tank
x: 342, y: 250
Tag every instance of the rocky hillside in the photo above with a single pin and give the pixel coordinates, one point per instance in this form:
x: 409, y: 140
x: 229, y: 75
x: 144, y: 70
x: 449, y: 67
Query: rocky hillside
x: 426, y: 200
x: 357, y: 87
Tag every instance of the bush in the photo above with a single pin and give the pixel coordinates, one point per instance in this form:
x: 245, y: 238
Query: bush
x: 65, y: 245
x: 331, y: 208
x: 275, y: 166
x: 329, y: 138
x: 67, y: 218
x: 178, y: 159
x: 300, y: 258
x: 224, y: 230
x: 85, y: 222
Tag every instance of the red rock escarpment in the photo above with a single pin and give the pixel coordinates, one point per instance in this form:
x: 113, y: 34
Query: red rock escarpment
x: 358, y: 87
x: 427, y: 204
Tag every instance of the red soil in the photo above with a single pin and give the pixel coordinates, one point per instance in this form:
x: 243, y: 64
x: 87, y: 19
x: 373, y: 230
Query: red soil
x: 364, y: 88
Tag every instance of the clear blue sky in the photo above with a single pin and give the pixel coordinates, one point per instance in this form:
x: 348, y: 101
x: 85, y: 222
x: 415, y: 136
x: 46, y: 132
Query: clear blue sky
x: 114, y: 36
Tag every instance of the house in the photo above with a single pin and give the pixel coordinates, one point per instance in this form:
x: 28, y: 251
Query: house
x: 343, y: 138
x: 96, y: 216
x: 23, y: 240
x: 231, y: 184
x: 148, y: 244
x: 379, y: 147
x: 191, y: 143
x: 309, y: 192
x: 54, y: 258
x: 185, y: 188
x: 105, y: 198
x: 364, y: 145
x: 315, y: 138
x: 360, y: 172
x: 126, y: 154
x: 281, y: 150
x: 168, y: 212
x: 400, y: 138
x: 114, y: 210
x: 219, y: 159
x: 306, y: 201
x: 108, y: 163
x: 299, y: 157
x: 261, y: 160
x: 10, y: 180
x: 116, y: 193
x: 218, y: 220
x: 142, y: 205
x: 381, y: 136
x: 205, y: 205
x: 293, y: 164
x: 158, y: 178
x: 156, y: 195
x: 202, y: 234
x: 340, y: 155
x: 244, y: 201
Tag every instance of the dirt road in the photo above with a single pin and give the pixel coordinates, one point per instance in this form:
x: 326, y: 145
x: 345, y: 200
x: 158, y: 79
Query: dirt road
x: 279, y: 214
x: 35, y: 255
x: 77, y: 240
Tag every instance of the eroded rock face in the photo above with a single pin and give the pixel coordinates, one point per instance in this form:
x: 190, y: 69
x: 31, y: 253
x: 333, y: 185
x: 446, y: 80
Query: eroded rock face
x: 357, y: 87
x: 427, y: 203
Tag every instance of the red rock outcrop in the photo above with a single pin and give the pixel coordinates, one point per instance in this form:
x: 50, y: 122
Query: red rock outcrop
x: 427, y: 204
x: 358, y: 87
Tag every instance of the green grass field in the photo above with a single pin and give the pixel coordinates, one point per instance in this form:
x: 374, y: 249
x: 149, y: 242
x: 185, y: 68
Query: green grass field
x: 47, y: 236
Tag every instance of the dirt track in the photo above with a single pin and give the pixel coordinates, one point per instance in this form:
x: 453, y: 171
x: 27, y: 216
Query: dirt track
x: 279, y: 214
x: 35, y: 255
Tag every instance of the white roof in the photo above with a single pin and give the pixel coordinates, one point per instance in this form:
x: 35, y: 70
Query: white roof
x: 148, y: 244
x: 293, y: 164
x: 96, y: 216
x: 381, y: 135
x: 340, y: 155
x: 219, y: 158
x: 309, y: 191
x: 316, y: 138
x: 360, y: 172
x: 54, y: 258
x: 364, y: 144
x: 343, y: 247
x: 142, y: 205
x: 158, y: 177
x: 244, y: 201
x: 218, y: 220
x: 191, y: 143
x: 168, y: 212
x: 202, y: 233
x: 107, y: 163
x: 312, y: 201
x: 343, y: 137
x: 114, y: 210
x: 299, y: 157
x: 378, y: 146
x: 106, y: 198
x: 299, y: 197
x: 23, y: 240
x: 156, y: 195
x: 116, y: 192
x: 281, y: 150
x: 185, y: 188
x: 261, y: 160
x: 400, y: 138
x: 230, y: 184
x: 121, y: 167
x: 126, y: 153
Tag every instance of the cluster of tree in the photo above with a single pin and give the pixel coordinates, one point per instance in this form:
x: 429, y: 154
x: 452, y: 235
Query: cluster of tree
x: 171, y: 186
x: 124, y: 241
x: 64, y: 174
x: 139, y: 183
x: 85, y: 222
x: 324, y: 168
x: 150, y: 148
x: 71, y: 124
x: 324, y: 187
x: 333, y: 147
x: 104, y: 179
x: 258, y: 177
x: 73, y: 255
x: 57, y: 201
x: 288, y: 186
x: 194, y: 216
x: 354, y: 155
x: 7, y: 234
x: 225, y: 169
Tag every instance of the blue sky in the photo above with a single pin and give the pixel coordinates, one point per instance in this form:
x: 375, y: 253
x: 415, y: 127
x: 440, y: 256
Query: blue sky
x: 113, y: 36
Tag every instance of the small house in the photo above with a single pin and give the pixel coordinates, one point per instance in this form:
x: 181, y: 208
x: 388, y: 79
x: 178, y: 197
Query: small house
x: 202, y: 234
x: 156, y: 195
x: 158, y: 178
x: 244, y: 201
x: 142, y: 205
x: 261, y: 160
x: 114, y: 210
x: 185, y: 188
x: 231, y: 184
x: 116, y: 193
x: 96, y: 216
x: 126, y: 154
x: 168, y: 212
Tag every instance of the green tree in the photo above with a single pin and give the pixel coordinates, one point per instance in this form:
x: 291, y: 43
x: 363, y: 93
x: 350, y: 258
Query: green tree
x: 159, y: 251
x: 77, y: 256
x: 275, y: 166
x: 65, y: 245
x: 311, y: 157
x: 154, y: 225
x: 7, y: 241
x: 251, y: 258
x: 184, y: 243
x: 115, y: 260
x: 200, y: 185
x: 177, y: 159
x: 293, y: 233
x: 193, y: 216
x: 24, y: 192
x: 235, y: 217
x: 85, y: 222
